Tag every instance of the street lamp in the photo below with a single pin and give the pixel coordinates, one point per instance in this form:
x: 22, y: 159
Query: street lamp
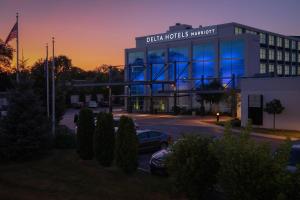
x: 218, y: 117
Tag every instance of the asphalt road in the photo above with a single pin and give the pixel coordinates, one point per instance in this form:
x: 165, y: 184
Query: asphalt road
x: 175, y: 126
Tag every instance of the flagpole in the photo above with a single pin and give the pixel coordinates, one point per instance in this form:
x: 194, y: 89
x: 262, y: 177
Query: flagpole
x: 17, y: 72
x: 53, y: 89
x: 47, y: 81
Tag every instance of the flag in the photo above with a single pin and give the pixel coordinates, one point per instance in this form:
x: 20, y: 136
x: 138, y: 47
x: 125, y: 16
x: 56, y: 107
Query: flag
x: 13, y: 33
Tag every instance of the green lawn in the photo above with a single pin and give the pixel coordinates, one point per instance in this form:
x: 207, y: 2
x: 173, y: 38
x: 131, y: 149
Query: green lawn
x: 63, y: 175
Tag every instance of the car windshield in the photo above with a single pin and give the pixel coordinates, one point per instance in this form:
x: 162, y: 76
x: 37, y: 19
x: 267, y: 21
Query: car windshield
x: 294, y: 156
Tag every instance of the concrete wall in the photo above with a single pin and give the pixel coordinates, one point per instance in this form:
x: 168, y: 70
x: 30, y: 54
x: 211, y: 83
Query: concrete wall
x: 286, y: 89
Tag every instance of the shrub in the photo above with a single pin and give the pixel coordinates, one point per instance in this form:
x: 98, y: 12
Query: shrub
x: 85, y: 134
x: 126, y: 146
x: 193, y: 166
x: 25, y: 130
x: 104, y: 139
x: 249, y: 170
x: 64, y: 138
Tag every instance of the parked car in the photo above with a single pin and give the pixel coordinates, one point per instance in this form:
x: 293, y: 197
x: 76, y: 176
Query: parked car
x: 157, y: 162
x: 93, y: 104
x: 117, y: 123
x: 152, y: 140
x: 294, y: 159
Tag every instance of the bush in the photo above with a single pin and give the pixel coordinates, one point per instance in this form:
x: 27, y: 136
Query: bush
x: 193, y: 166
x: 64, y: 138
x: 126, y: 146
x: 249, y: 170
x: 85, y: 132
x: 104, y: 139
x: 25, y: 130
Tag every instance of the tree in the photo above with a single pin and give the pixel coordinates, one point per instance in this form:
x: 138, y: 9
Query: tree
x: 25, y: 132
x: 126, y: 146
x: 274, y: 107
x: 104, y: 139
x: 85, y: 133
x: 193, y: 166
x: 209, y: 95
x: 6, y: 56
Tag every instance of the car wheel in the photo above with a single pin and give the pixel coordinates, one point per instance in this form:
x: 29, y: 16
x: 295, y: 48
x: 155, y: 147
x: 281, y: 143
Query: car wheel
x: 164, y: 145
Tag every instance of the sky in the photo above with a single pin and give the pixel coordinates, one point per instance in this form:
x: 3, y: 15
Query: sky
x: 96, y: 32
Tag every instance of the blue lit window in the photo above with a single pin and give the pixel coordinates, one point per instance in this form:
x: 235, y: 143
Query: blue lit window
x: 231, y: 60
x: 178, y: 58
x: 137, y: 68
x: 156, y: 60
x: 203, y: 63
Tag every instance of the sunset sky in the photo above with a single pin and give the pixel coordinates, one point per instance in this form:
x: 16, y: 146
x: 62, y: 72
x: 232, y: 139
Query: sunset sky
x: 95, y: 32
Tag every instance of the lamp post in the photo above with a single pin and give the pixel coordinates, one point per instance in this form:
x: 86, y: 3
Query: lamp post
x: 218, y: 117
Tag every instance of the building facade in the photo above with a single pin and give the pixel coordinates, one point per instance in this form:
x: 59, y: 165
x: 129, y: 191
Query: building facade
x: 184, y: 59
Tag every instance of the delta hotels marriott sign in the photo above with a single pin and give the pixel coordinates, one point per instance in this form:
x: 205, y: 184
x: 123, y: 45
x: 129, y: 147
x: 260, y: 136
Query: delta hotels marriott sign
x: 181, y: 35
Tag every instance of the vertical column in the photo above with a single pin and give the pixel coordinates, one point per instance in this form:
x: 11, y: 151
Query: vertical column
x: 190, y: 74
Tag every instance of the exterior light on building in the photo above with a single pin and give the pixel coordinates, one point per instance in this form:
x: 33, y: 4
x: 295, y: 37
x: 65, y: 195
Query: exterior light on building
x: 218, y: 117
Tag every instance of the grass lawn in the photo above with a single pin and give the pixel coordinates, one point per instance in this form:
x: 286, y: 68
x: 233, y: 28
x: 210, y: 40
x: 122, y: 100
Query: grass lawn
x: 63, y: 175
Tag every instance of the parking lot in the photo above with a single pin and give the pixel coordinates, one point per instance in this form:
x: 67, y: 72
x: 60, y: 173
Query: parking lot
x: 175, y: 126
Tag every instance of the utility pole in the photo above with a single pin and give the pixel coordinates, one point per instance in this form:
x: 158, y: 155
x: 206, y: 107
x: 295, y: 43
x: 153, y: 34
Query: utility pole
x: 47, y: 82
x: 17, y: 72
x: 53, y: 89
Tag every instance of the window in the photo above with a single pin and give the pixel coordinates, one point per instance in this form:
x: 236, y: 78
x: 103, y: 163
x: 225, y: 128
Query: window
x: 293, y: 71
x: 271, y: 67
x: 279, y: 41
x: 271, y: 54
x: 279, y: 55
x: 298, y: 57
x: 137, y: 68
x: 153, y: 134
x: 298, y: 71
x: 262, y: 38
x: 279, y: 69
x: 238, y: 30
x: 286, y: 70
x: 262, y: 53
x: 263, y: 68
x: 299, y: 46
x: 287, y: 56
x: 142, y: 136
x: 286, y: 43
x: 293, y: 57
x: 293, y: 44
x: 271, y: 40
x: 156, y: 60
x: 251, y: 32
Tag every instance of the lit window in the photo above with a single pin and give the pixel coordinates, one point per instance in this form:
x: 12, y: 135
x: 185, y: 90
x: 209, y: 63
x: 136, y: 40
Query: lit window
x: 293, y: 44
x: 279, y: 69
x: 279, y: 55
x: 251, y: 32
x: 263, y: 68
x: 293, y: 57
x: 271, y: 54
x: 238, y: 30
x: 286, y: 70
x: 271, y: 40
x: 286, y: 43
x: 287, y: 56
x: 262, y: 53
x: 279, y: 41
x: 271, y: 67
x: 293, y: 71
x: 262, y: 37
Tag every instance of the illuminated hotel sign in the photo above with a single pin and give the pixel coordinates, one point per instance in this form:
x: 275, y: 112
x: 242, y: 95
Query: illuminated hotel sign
x: 181, y: 35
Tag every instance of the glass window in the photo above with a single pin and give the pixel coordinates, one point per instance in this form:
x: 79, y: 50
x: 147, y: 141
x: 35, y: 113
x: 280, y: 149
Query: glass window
x: 263, y: 68
x: 154, y: 134
x: 156, y: 60
x: 142, y: 135
x: 293, y: 57
x: 251, y: 32
x: 279, y: 55
x: 231, y: 60
x: 286, y: 43
x: 286, y: 70
x: 271, y: 54
x: 286, y: 56
x: 262, y: 38
x: 137, y: 69
x: 238, y: 30
x: 293, y: 44
x: 298, y: 71
x: 271, y: 40
x: 271, y: 67
x: 279, y: 69
x: 203, y: 63
x: 299, y: 46
x: 178, y: 58
x: 279, y: 41
x: 293, y: 71
x: 298, y: 57
x: 262, y: 53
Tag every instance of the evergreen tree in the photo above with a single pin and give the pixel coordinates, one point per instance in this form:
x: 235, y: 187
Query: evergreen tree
x: 104, y: 139
x: 85, y: 132
x: 127, y: 146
